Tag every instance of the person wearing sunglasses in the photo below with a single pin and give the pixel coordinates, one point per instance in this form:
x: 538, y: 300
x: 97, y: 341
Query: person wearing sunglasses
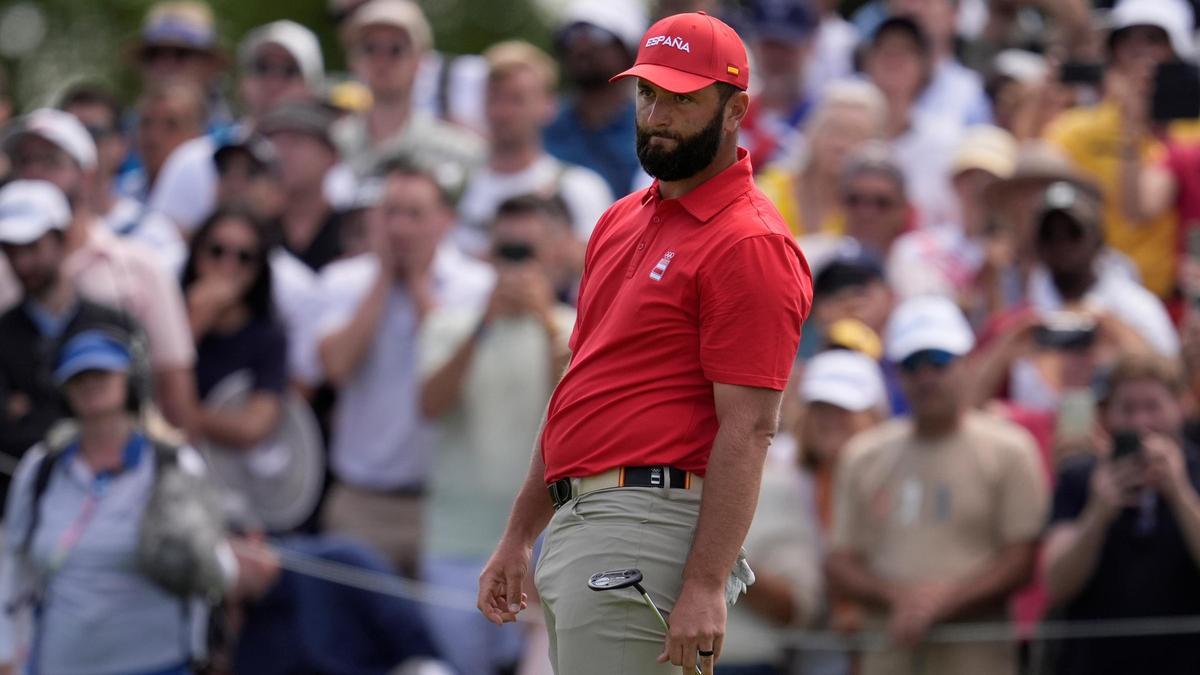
x: 280, y: 61
x: 874, y: 197
x: 936, y: 516
x: 227, y: 281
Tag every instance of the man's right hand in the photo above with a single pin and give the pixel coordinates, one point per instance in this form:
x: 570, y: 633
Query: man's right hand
x: 1114, y: 486
x: 500, y: 597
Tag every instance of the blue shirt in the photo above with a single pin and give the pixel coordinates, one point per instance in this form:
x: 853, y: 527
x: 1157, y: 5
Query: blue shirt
x: 610, y: 150
x: 308, y: 625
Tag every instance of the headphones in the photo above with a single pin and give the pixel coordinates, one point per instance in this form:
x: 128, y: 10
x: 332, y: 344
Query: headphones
x: 139, y: 391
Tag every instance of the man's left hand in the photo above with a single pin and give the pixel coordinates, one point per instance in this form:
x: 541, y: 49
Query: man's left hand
x: 916, y: 610
x: 697, y: 623
x: 1166, y: 471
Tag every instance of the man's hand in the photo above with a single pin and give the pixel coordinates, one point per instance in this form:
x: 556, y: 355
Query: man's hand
x: 915, y: 609
x: 500, y: 597
x: 1114, y: 486
x: 697, y: 623
x: 1166, y: 471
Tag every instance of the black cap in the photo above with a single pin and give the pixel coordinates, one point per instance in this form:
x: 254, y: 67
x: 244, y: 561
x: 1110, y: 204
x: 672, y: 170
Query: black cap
x: 907, y: 26
x: 253, y: 145
x: 1082, y: 205
x: 848, y: 269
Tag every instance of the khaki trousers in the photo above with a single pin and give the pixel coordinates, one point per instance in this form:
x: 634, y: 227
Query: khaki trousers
x: 613, y: 632
x: 389, y: 523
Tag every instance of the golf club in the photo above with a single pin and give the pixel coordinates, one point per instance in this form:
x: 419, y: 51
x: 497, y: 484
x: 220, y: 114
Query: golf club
x: 614, y: 579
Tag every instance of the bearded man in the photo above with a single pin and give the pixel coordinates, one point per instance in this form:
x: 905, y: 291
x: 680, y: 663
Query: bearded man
x: 690, y: 312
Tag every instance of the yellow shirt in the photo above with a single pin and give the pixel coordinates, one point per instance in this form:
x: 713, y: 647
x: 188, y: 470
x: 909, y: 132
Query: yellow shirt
x: 776, y: 183
x: 1091, y: 138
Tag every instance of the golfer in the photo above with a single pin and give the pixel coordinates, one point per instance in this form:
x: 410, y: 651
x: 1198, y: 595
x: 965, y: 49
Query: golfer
x: 690, y: 309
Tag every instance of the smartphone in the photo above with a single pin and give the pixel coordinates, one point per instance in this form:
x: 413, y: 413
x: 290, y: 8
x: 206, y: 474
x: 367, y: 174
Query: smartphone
x: 1126, y: 444
x: 1066, y: 331
x: 514, y: 251
x: 1176, y: 94
x: 1086, y: 73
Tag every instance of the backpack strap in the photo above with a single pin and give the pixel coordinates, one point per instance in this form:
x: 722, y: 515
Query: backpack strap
x: 41, y: 481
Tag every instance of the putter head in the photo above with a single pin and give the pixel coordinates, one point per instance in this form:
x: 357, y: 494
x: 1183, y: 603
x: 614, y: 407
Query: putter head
x: 612, y: 579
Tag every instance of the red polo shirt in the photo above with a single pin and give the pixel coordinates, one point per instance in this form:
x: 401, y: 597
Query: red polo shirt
x: 676, y: 294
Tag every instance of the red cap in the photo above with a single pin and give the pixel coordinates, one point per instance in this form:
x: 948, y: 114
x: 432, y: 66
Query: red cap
x: 687, y: 52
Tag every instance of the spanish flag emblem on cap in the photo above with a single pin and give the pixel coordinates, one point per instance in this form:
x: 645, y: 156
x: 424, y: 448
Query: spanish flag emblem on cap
x: 732, y: 70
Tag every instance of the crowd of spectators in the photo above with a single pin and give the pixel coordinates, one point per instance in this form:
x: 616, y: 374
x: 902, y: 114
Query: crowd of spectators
x: 993, y: 414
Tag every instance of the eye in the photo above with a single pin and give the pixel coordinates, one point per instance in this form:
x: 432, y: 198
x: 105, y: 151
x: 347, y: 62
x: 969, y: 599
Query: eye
x: 645, y: 92
x: 683, y: 98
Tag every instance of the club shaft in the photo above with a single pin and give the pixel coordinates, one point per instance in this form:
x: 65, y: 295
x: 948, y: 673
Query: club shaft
x: 661, y: 619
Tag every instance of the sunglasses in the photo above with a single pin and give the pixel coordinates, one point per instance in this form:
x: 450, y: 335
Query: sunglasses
x: 1068, y: 232
x: 392, y: 50
x: 857, y: 200
x: 244, y: 256
x: 165, y: 53
x: 285, y: 71
x: 935, y: 358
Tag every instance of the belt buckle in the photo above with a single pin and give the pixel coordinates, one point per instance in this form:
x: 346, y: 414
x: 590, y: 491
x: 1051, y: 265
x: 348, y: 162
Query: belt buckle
x: 560, y: 492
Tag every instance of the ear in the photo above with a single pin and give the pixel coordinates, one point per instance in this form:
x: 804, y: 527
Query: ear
x: 735, y: 111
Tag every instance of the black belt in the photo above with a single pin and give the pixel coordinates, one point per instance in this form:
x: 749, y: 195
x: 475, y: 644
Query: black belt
x: 561, y: 490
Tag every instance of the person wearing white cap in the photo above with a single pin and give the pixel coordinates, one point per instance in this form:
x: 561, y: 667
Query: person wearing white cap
x: 280, y: 61
x: 54, y: 146
x: 595, y: 126
x: 1107, y: 141
x: 34, y: 217
x: 385, y: 42
x: 936, y: 517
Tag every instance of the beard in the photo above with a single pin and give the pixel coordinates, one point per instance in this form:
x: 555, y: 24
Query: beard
x: 692, y: 154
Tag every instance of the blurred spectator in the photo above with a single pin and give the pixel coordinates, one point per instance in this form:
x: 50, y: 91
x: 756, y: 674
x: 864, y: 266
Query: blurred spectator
x: 1083, y: 314
x: 519, y: 104
x: 953, y: 259
x: 843, y: 394
x: 385, y: 42
x: 380, y: 446
x: 1144, y: 34
x: 833, y: 45
x: 595, y: 127
x: 227, y: 283
x: 34, y: 217
x: 1124, y: 537
x: 488, y: 374
x: 782, y: 33
x: 296, y: 623
x: 71, y: 530
x: 300, y: 133
x: 52, y: 145
x: 100, y: 112
x: 280, y: 61
x: 169, y: 114
x: 1064, y: 26
x: 953, y: 91
x: 936, y: 517
x: 899, y: 60
x: 249, y: 180
x: 849, y: 113
x: 178, y: 41
x: 874, y: 196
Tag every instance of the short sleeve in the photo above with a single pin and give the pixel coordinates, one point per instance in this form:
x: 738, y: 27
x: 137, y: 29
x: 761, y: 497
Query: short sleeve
x: 1024, y: 495
x: 270, y: 372
x: 1071, y: 491
x: 753, y: 300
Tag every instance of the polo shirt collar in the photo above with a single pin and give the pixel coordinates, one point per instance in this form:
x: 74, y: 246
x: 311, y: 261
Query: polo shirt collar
x: 713, y: 195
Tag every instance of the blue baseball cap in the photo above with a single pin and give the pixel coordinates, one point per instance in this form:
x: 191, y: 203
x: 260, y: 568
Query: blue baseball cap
x: 782, y: 20
x: 92, y: 350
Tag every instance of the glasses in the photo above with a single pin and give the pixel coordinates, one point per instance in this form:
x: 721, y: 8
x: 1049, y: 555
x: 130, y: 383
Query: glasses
x: 47, y: 160
x: 218, y: 251
x: 284, y: 71
x: 857, y: 200
x: 935, y: 358
x: 392, y: 50
x: 166, y: 53
x: 99, y: 133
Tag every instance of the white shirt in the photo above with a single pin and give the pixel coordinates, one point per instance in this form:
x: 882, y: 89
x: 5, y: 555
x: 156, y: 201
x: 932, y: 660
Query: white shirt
x: 379, y: 440
x: 925, y: 153
x: 586, y: 195
x: 956, y: 92
x: 933, y: 261
x: 1126, y: 299
x: 130, y: 218
x: 832, y: 54
x: 186, y: 188
x: 297, y: 298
